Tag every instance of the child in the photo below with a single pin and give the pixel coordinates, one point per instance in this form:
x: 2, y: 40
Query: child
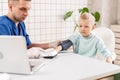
x: 86, y: 43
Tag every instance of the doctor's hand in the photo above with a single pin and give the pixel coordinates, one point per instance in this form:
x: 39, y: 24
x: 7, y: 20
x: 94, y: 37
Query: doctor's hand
x: 33, y: 53
x: 54, y: 44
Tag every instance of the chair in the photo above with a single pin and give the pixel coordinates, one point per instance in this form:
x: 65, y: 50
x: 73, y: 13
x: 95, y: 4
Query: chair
x: 109, y: 40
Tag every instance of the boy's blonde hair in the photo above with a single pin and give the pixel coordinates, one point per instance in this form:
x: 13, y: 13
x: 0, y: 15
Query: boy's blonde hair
x: 87, y: 16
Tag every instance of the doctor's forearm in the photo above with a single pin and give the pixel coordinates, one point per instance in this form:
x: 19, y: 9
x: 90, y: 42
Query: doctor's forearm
x: 44, y: 45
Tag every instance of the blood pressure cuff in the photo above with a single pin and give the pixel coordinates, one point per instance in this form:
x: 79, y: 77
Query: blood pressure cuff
x: 66, y: 44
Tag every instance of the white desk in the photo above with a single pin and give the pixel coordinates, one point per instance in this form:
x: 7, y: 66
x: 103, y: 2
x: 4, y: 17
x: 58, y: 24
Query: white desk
x: 71, y: 67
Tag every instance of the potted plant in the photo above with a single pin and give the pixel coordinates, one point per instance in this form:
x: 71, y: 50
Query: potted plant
x: 81, y: 11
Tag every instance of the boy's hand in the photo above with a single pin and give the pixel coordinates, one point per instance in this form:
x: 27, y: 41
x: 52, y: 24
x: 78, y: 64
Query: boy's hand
x: 51, y: 53
x: 54, y: 52
x: 109, y: 59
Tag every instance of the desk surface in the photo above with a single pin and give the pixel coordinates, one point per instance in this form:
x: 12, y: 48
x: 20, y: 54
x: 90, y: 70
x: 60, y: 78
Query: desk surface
x: 67, y: 66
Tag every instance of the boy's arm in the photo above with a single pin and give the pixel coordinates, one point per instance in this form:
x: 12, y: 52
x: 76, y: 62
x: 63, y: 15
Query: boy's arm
x: 105, y: 52
x: 64, y: 45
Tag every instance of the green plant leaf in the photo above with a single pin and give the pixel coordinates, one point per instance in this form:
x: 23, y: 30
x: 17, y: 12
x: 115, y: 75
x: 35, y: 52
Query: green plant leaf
x: 85, y: 9
x: 67, y: 15
x: 76, y: 25
x: 79, y: 10
x: 97, y: 16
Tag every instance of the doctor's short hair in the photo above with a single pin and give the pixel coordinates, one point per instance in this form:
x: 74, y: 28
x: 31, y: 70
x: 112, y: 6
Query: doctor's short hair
x: 19, y: 0
x: 87, y: 16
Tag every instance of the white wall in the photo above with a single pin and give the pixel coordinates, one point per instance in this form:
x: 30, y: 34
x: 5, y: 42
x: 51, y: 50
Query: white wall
x: 108, y: 10
x: 45, y: 22
x: 118, y: 12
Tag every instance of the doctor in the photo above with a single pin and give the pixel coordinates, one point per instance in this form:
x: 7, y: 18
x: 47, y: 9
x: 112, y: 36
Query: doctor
x: 13, y: 22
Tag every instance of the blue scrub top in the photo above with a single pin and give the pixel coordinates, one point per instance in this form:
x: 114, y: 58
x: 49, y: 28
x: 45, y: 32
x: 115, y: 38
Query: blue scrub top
x: 8, y: 27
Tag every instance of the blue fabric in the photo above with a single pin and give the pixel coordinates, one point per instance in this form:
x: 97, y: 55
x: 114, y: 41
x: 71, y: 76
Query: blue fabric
x: 89, y: 46
x: 8, y: 27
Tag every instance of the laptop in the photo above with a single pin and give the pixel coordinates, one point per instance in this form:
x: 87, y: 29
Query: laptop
x: 14, y: 58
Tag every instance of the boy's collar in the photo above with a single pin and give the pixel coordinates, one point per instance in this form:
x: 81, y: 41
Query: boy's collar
x: 87, y: 37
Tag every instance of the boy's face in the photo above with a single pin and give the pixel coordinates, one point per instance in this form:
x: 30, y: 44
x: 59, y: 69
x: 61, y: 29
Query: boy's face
x: 85, y: 27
